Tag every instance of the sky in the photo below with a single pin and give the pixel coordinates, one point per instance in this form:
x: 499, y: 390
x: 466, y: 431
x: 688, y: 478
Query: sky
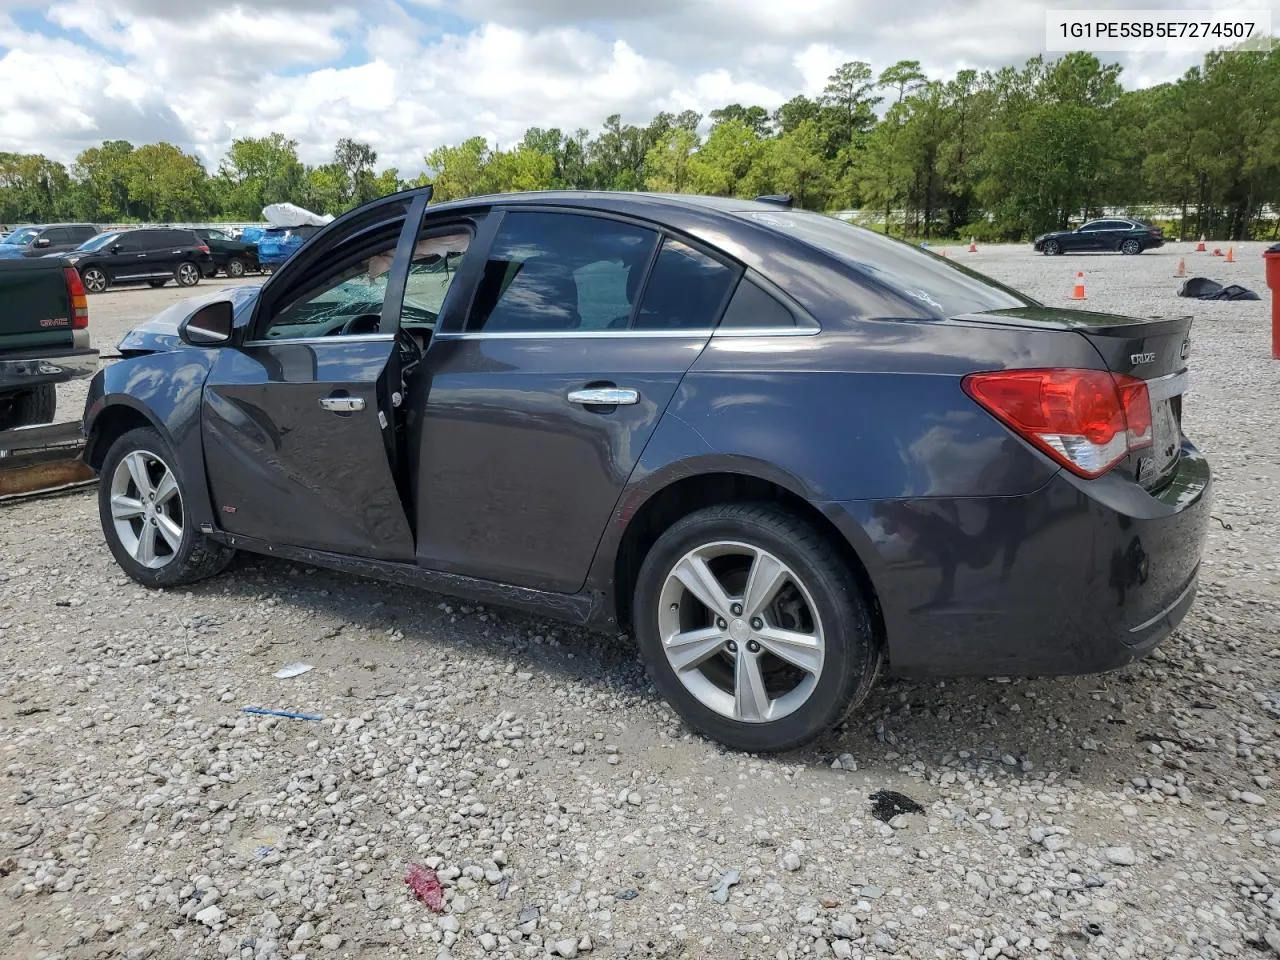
x: 409, y: 75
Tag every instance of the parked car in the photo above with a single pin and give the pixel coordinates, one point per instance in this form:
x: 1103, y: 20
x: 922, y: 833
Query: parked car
x: 231, y: 256
x: 44, y: 239
x: 1097, y: 236
x: 278, y: 244
x: 784, y: 451
x: 44, y: 339
x: 152, y: 255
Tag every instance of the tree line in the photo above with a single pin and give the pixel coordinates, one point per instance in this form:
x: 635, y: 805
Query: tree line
x: 998, y: 154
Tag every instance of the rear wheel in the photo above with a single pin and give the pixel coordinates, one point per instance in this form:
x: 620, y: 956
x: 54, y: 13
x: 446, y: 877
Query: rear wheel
x: 753, y: 628
x: 187, y: 274
x: 29, y: 407
x: 1051, y: 248
x: 1130, y: 247
x: 94, y: 279
x: 235, y: 268
x: 142, y: 507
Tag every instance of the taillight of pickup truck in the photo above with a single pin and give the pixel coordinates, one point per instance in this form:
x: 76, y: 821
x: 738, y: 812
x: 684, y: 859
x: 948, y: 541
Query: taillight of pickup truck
x: 77, y: 298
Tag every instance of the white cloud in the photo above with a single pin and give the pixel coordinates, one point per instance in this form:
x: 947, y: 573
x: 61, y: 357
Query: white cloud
x: 409, y: 75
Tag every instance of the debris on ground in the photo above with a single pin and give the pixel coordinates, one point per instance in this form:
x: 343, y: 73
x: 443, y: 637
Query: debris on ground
x: 887, y: 804
x: 292, y: 670
x: 290, y: 714
x: 1202, y: 288
x: 425, y: 886
x: 720, y: 892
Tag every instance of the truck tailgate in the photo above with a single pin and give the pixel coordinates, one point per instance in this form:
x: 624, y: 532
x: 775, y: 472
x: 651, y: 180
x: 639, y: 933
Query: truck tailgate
x: 35, y: 309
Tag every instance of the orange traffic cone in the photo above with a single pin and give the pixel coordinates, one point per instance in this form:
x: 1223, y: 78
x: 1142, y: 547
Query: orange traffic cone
x: 1182, y: 269
x: 1217, y: 251
x: 1200, y: 248
x: 973, y: 245
x: 1078, y: 292
x: 1231, y: 254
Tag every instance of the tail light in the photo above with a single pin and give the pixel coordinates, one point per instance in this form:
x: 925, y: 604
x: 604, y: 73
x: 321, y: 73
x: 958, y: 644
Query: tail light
x: 203, y: 248
x: 79, y: 301
x: 1086, y: 420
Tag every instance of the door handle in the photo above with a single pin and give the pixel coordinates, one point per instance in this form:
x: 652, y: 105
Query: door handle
x: 342, y: 404
x: 605, y: 396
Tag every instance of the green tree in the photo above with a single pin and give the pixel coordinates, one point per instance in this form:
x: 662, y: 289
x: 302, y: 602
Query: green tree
x: 458, y: 171
x: 668, y: 161
x: 166, y: 184
x: 356, y: 159
x: 257, y: 171
x: 105, y: 172
x: 756, y: 119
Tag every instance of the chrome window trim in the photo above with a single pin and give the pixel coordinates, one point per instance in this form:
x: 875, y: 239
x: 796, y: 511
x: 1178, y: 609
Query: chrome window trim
x: 331, y: 338
x: 699, y: 334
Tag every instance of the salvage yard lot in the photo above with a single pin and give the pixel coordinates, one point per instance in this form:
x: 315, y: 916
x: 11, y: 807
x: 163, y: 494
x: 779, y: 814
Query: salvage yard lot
x: 142, y: 814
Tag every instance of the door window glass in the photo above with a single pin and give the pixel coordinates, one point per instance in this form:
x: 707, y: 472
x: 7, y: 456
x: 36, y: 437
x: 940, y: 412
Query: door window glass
x: 432, y: 271
x: 561, y: 272
x: 128, y: 243
x: 686, y: 290
x: 345, y: 299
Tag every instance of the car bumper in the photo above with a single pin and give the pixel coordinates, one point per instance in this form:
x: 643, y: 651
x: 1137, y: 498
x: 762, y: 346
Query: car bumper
x: 36, y: 368
x: 1078, y: 577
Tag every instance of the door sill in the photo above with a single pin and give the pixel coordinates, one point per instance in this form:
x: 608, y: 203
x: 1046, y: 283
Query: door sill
x: 582, y: 609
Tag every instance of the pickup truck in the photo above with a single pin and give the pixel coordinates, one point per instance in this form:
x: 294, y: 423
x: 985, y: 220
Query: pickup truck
x: 44, y: 338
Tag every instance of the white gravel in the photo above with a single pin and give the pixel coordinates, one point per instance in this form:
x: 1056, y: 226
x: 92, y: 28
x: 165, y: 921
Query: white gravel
x: 568, y: 813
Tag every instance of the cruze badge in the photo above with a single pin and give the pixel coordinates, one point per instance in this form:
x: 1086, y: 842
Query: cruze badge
x: 1137, y: 358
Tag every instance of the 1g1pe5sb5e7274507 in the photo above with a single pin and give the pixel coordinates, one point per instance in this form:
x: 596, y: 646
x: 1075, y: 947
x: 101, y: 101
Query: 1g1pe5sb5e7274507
x: 784, y: 452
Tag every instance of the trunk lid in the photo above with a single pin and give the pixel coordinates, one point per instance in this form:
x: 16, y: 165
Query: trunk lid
x: 1154, y: 349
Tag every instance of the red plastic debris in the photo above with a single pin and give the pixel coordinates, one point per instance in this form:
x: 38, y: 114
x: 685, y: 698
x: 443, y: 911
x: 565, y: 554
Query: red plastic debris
x: 425, y: 886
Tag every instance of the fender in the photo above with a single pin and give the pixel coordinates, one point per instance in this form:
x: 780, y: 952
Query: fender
x: 166, y: 390
x: 677, y: 452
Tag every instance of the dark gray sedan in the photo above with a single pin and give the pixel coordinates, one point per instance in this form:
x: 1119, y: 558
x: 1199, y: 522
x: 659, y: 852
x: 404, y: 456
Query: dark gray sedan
x: 783, y: 451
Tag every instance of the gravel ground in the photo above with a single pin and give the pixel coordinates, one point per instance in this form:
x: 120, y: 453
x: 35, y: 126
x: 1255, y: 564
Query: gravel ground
x: 142, y: 814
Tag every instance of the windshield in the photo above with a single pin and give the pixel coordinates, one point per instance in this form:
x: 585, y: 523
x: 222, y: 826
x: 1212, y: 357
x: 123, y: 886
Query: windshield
x: 22, y: 238
x: 98, y: 242
x: 940, y: 284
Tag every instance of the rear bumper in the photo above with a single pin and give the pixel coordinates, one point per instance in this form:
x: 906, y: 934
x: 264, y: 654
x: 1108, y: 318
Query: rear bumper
x: 36, y: 368
x: 1078, y: 577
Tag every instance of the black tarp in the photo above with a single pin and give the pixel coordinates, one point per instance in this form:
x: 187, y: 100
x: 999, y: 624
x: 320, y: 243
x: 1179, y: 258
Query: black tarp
x: 1202, y: 288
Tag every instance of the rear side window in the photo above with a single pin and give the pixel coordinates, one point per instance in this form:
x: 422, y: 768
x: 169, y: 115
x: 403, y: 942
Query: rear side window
x: 84, y: 233
x: 686, y: 290
x: 754, y: 309
x: 936, y: 285
x: 176, y: 238
x: 57, y: 235
x: 551, y: 272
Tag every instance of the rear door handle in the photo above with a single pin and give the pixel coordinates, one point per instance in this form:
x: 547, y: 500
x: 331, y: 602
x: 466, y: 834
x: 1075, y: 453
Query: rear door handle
x: 342, y: 404
x: 605, y: 396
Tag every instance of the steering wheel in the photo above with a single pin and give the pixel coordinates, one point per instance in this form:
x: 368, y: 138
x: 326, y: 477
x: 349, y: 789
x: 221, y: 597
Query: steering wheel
x: 365, y: 323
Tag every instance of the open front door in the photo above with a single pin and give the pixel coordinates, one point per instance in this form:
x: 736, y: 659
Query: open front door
x: 299, y: 422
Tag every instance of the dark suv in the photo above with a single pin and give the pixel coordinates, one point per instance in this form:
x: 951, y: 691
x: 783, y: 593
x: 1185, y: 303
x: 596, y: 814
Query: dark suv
x: 149, y: 255
x: 233, y: 257
x: 39, y: 240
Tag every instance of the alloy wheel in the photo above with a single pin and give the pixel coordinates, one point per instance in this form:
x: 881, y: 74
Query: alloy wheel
x: 235, y: 268
x: 741, y: 631
x: 95, y: 281
x: 188, y: 275
x: 146, y: 508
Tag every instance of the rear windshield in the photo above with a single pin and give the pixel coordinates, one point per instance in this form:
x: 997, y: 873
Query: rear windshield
x: 942, y: 286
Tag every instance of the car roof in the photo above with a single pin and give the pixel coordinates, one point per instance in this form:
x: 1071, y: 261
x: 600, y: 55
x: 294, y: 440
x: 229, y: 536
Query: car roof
x: 616, y: 201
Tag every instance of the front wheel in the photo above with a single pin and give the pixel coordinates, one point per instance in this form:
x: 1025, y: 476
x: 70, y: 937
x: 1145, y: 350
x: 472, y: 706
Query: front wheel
x: 1051, y: 248
x: 753, y: 628
x: 1130, y: 248
x: 235, y: 268
x: 94, y: 279
x: 187, y: 274
x: 142, y: 507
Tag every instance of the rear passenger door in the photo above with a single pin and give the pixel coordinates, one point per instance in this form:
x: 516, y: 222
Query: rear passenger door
x: 580, y: 329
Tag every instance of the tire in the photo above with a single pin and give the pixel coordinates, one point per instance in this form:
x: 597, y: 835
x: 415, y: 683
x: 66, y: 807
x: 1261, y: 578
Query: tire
x: 180, y: 553
x: 823, y: 604
x: 37, y: 405
x: 187, y: 274
x: 94, y: 279
x: 1131, y: 248
x: 235, y: 268
x: 1051, y: 248
x: 156, y: 284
